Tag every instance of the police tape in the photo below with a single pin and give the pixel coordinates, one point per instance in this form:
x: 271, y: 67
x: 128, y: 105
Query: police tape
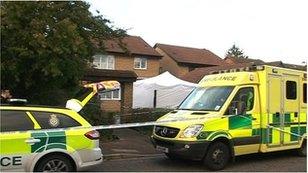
x: 284, y: 131
x: 151, y: 123
x: 113, y: 126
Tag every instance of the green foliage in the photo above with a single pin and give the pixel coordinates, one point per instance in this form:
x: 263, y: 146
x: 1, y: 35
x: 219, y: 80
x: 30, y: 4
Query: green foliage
x: 235, y: 52
x: 47, y: 46
x: 146, y: 115
x: 93, y: 114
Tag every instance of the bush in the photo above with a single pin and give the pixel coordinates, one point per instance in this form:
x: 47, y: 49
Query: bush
x: 147, y: 115
x: 94, y: 115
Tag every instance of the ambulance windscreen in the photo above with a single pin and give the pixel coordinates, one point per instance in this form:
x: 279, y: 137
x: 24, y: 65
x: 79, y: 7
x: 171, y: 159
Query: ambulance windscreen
x: 207, y: 98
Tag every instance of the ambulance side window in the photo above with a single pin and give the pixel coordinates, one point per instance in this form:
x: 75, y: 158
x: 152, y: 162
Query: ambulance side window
x: 291, y: 90
x: 15, y: 121
x: 49, y: 120
x: 242, y: 102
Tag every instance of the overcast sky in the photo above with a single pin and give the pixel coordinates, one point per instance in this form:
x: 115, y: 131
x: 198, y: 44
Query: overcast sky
x: 270, y: 30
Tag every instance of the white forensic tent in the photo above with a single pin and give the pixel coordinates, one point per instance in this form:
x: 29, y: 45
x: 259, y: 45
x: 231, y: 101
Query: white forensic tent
x: 170, y: 91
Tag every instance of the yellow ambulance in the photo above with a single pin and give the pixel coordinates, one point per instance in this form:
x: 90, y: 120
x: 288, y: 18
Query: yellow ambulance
x: 237, y: 112
x: 51, y: 139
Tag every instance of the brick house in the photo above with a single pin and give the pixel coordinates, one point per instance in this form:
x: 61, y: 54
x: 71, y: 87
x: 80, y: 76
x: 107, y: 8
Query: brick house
x: 232, y: 60
x: 180, y: 60
x: 119, y: 100
x: 134, y: 55
x: 196, y: 75
x: 125, y: 62
x: 235, y: 63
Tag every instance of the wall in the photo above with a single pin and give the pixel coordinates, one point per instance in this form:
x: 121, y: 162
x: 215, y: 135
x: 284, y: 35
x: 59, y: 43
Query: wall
x: 111, y: 105
x: 229, y: 61
x: 127, y: 97
x: 124, y: 105
x: 127, y: 63
x: 168, y: 64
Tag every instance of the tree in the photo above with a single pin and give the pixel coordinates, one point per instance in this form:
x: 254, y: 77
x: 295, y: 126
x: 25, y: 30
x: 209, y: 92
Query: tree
x: 47, y: 46
x: 235, y: 52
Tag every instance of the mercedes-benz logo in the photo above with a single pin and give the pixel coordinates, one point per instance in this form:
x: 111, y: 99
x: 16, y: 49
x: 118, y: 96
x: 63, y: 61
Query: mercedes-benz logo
x: 164, y: 131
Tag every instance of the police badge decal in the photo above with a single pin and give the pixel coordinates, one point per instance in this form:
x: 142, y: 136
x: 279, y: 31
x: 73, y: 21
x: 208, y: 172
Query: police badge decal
x: 54, y: 120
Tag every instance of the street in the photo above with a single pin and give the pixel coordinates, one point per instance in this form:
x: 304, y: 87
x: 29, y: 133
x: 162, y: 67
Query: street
x: 271, y: 162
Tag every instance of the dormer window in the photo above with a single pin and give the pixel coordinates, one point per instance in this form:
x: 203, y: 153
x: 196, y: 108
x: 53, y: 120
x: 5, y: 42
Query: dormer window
x: 103, y: 61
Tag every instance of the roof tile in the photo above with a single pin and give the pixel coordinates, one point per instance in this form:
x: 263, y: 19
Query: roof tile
x: 190, y: 55
x: 132, y: 45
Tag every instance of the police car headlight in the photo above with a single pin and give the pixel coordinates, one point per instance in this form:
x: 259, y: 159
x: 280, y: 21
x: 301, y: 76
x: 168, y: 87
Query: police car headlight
x: 192, y: 130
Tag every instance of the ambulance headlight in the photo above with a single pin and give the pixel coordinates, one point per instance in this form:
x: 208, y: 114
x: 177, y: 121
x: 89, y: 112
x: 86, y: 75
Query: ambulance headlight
x: 192, y: 131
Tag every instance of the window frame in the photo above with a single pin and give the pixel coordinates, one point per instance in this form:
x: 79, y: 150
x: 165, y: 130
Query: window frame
x: 25, y: 114
x: 287, y: 91
x: 33, y: 113
x: 100, y: 57
x: 112, y: 97
x: 235, y: 94
x: 139, y: 61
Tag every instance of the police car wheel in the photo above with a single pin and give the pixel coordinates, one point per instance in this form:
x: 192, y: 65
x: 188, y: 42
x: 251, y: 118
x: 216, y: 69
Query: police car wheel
x: 302, y: 151
x: 55, y: 163
x: 217, y: 156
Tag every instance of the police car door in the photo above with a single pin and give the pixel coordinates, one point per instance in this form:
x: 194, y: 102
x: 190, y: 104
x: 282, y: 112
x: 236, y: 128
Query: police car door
x: 15, y: 141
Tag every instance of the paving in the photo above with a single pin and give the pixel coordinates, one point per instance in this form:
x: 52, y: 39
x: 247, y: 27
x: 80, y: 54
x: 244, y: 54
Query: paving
x: 270, y: 162
x: 130, y: 144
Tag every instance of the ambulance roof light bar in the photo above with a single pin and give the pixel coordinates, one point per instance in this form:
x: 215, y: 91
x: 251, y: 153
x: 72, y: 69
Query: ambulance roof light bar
x: 248, y: 69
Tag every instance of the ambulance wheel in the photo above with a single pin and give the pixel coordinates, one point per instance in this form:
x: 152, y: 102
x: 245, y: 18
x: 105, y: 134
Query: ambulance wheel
x: 217, y: 156
x: 302, y: 151
x: 55, y: 163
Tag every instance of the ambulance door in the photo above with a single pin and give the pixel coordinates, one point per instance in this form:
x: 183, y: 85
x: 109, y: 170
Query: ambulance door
x: 275, y: 110
x: 244, y: 120
x: 291, y: 101
x: 15, y: 144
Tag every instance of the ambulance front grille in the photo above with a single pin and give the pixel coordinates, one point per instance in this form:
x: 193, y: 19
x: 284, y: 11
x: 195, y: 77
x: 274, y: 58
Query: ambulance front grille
x: 166, y: 132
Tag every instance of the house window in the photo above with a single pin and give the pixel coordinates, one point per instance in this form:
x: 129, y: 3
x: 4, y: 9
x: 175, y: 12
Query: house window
x: 140, y: 63
x: 103, y: 61
x: 110, y: 95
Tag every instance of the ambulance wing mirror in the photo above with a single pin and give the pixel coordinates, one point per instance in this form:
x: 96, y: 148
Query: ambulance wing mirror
x: 77, y: 105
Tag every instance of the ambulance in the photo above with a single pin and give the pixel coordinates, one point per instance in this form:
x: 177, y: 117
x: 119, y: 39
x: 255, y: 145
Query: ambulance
x: 257, y: 109
x: 51, y: 139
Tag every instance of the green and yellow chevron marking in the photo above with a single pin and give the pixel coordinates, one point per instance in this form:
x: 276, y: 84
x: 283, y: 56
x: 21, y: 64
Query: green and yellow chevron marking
x: 49, y: 140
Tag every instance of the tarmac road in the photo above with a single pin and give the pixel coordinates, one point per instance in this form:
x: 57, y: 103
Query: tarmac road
x: 285, y: 161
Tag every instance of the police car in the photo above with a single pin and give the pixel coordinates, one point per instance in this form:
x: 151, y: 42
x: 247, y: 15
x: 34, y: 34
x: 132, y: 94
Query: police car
x: 37, y: 138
